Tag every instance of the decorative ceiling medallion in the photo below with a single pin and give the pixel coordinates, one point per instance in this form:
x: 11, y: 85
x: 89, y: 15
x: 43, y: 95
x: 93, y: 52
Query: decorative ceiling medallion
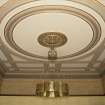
x: 48, y: 39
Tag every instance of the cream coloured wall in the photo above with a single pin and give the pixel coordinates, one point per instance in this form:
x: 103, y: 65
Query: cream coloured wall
x: 18, y: 100
x: 19, y: 86
x: 76, y: 86
x: 0, y: 82
x: 86, y: 87
x: 103, y: 79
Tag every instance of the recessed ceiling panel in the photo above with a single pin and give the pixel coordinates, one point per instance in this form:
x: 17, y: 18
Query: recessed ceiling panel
x: 2, y: 56
x: 96, y: 65
x: 80, y: 24
x: 29, y: 65
x: 26, y: 37
x: 87, y: 58
x: 75, y: 65
x: 73, y: 70
x: 102, y: 56
x: 8, y: 64
x: 30, y: 70
x: 17, y: 58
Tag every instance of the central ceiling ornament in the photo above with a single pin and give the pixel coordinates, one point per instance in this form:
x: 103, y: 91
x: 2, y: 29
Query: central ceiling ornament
x: 52, y: 40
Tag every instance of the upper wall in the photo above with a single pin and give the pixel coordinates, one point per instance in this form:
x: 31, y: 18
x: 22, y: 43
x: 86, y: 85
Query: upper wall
x: 103, y: 83
x: 0, y: 77
x: 0, y: 82
x: 76, y: 86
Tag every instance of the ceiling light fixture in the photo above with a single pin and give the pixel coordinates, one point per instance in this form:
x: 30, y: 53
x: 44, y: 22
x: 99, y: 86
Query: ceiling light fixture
x: 52, y: 40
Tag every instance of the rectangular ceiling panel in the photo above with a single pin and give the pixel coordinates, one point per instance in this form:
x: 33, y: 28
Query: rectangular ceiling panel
x: 29, y: 65
x: 102, y: 56
x: 2, y: 56
x: 75, y: 65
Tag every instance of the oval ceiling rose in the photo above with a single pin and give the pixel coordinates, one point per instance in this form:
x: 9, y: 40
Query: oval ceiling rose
x: 49, y: 39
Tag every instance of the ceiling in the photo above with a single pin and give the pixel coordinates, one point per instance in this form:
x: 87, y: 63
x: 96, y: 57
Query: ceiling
x: 22, y: 22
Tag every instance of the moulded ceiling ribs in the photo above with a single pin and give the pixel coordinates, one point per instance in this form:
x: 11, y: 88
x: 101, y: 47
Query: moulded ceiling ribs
x: 9, y: 58
x: 97, y: 54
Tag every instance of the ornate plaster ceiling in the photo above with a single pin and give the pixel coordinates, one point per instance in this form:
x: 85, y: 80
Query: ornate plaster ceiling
x: 81, y: 21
